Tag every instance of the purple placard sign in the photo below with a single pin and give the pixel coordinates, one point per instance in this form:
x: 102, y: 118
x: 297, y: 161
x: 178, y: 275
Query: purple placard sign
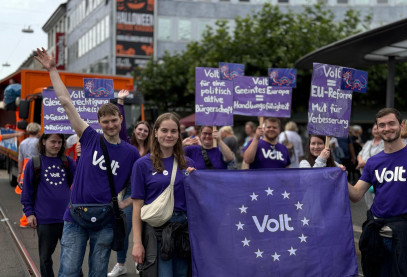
x: 329, y: 106
x: 229, y: 71
x: 98, y: 88
x: 213, y: 98
x: 252, y: 96
x: 55, y: 118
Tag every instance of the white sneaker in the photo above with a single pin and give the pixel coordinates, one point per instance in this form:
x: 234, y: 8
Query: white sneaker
x: 137, y: 271
x: 117, y: 270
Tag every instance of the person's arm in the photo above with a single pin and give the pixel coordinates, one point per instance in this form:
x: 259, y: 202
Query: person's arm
x: 250, y: 153
x: 357, y: 191
x: 27, y: 195
x: 9, y: 136
x: 304, y: 164
x: 138, y: 248
x: 224, y: 149
x: 352, y: 153
x: 120, y: 102
x: 125, y: 203
x: 78, y: 124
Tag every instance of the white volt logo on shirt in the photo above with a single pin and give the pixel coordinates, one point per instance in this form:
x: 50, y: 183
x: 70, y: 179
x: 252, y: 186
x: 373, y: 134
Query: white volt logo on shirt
x: 101, y: 162
x: 272, y: 155
x: 390, y: 175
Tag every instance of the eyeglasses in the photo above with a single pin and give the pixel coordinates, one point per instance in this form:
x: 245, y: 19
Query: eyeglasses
x: 206, y: 134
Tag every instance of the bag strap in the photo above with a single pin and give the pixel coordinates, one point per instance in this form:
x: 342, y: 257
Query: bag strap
x: 208, y: 163
x: 110, y: 176
x: 174, y: 171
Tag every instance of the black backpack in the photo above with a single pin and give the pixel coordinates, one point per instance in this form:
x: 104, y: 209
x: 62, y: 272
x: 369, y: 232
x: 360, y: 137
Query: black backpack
x: 37, y: 172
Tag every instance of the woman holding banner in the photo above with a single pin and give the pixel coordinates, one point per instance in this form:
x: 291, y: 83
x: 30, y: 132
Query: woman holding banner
x: 151, y: 175
x: 208, y: 156
x: 317, y: 155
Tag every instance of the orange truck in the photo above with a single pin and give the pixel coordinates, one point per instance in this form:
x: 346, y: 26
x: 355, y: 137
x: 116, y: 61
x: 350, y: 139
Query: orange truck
x: 30, y: 108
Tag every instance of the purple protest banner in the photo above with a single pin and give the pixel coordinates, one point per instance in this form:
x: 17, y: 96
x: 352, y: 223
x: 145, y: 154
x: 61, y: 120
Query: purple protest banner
x: 98, y: 88
x: 229, y: 71
x: 282, y: 77
x: 55, y: 118
x: 353, y: 79
x: 329, y: 106
x: 213, y: 98
x: 252, y: 96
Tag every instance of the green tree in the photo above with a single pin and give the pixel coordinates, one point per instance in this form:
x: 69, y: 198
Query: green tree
x: 267, y: 38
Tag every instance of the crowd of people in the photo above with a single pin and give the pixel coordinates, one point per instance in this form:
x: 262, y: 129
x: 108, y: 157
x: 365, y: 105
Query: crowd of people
x: 146, y: 163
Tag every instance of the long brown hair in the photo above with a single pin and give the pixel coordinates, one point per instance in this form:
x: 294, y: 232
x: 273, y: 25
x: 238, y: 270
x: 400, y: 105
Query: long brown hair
x: 311, y: 159
x: 147, y: 141
x: 156, y: 154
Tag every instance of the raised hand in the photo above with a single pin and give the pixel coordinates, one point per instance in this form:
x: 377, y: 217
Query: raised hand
x: 46, y: 60
x: 123, y: 94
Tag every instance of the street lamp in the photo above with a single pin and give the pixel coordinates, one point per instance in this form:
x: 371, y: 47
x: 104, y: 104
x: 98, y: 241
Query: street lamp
x: 27, y: 30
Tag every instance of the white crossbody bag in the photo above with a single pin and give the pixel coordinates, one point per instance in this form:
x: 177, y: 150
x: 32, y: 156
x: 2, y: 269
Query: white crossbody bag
x: 161, y: 209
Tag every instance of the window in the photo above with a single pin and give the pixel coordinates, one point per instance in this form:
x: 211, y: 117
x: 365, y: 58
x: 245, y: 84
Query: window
x: 362, y: 2
x: 164, y: 28
x: 106, y: 26
x: 184, y: 29
x: 342, y: 1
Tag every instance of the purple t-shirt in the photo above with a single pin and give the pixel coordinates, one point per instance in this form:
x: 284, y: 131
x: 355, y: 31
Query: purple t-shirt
x: 387, y: 173
x: 91, y: 184
x: 215, y: 156
x: 147, y: 184
x: 269, y: 156
x: 53, y: 190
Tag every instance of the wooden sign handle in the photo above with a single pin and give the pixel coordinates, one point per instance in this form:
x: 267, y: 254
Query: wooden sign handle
x: 327, y: 141
x: 215, y: 143
x: 261, y: 121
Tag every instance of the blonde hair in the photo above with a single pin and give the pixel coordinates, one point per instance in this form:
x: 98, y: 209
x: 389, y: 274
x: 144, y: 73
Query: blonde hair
x: 227, y: 129
x: 291, y: 126
x: 33, y: 128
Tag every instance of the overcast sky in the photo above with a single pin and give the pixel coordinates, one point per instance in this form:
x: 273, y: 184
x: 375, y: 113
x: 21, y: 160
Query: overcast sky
x: 15, y: 15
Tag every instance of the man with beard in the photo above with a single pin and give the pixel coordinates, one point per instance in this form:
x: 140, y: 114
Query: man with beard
x: 264, y: 151
x: 383, y: 242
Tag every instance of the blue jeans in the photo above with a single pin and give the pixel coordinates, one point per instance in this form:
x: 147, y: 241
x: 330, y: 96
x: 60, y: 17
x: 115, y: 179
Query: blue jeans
x: 121, y: 255
x: 176, y: 267
x: 386, y: 266
x: 73, y: 246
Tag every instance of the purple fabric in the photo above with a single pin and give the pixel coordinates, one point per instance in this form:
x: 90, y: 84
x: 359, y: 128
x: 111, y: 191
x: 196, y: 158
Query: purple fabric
x: 147, y: 184
x: 280, y: 222
x: 229, y: 71
x: 213, y: 98
x: 252, y: 96
x: 282, y: 77
x: 55, y: 119
x: 329, y: 107
x: 91, y: 185
x: 53, y: 192
x: 355, y: 80
x: 98, y: 88
x: 215, y: 156
x: 123, y: 131
x: 266, y: 157
x: 387, y: 173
